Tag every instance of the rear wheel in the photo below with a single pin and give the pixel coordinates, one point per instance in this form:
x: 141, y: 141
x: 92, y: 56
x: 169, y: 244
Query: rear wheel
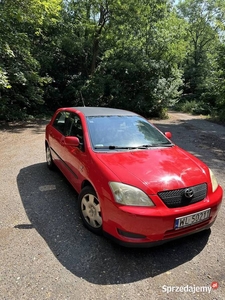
x: 49, y: 160
x: 90, y: 210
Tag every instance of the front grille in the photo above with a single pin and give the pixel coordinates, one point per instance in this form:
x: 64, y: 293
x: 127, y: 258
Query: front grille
x: 177, y: 198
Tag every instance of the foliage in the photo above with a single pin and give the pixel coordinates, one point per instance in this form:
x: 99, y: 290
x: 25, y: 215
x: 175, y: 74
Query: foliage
x: 205, y: 25
x: 194, y: 107
x: 21, y: 85
x: 132, y: 54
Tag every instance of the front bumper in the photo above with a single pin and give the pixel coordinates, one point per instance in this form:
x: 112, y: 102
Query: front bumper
x: 141, y: 226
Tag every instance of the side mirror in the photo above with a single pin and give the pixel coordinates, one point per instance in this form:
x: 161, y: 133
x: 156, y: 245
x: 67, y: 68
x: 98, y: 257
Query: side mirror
x: 72, y: 141
x: 168, y: 134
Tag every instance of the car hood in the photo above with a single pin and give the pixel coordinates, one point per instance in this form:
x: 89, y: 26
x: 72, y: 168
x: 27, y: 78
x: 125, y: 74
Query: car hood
x: 157, y: 168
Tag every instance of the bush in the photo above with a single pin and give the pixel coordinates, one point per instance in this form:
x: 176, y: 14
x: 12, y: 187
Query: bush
x: 194, y: 107
x: 186, y: 107
x: 135, y: 83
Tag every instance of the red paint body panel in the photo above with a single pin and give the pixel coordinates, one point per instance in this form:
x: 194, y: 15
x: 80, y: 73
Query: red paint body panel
x: 151, y: 170
x: 158, y: 224
x: 157, y: 169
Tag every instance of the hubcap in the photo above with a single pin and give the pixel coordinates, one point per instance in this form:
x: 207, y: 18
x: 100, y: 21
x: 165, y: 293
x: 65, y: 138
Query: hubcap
x: 91, y: 210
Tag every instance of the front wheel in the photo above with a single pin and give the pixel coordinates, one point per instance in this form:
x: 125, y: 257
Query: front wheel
x: 49, y: 160
x: 90, y: 209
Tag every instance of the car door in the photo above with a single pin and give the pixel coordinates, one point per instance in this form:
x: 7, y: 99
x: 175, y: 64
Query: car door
x: 59, y: 130
x: 76, y: 158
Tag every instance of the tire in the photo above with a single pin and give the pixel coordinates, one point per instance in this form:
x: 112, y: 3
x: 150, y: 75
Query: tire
x: 90, y: 210
x: 49, y: 160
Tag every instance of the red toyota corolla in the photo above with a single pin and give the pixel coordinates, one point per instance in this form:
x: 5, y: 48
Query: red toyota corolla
x: 134, y: 184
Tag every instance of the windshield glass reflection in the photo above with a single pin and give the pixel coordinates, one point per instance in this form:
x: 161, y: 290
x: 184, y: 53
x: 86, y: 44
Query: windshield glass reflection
x: 121, y: 132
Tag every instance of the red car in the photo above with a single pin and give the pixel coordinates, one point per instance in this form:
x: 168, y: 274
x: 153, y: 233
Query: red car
x: 134, y: 184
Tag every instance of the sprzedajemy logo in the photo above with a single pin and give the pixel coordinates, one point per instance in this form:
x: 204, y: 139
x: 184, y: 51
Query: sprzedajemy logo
x: 190, y: 288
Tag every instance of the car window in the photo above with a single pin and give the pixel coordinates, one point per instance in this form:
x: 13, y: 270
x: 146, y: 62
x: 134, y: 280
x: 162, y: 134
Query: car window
x: 124, y: 131
x: 76, y: 128
x: 61, y: 122
x: 69, y: 124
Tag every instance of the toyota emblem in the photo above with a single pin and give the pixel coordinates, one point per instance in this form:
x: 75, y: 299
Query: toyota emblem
x: 189, y: 193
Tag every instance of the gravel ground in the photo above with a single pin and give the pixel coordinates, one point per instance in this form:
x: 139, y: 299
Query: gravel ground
x: 46, y: 253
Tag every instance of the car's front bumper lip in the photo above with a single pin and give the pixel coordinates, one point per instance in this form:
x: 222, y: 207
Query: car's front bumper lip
x: 143, y: 243
x: 134, y: 229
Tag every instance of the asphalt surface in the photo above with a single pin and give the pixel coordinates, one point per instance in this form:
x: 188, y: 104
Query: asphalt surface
x: 46, y: 253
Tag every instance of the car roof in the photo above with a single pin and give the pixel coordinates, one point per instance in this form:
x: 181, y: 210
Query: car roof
x: 89, y: 111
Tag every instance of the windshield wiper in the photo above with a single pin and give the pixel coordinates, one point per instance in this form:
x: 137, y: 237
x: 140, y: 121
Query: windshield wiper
x: 144, y: 146
x: 112, y: 147
x: 154, y: 145
x: 162, y: 145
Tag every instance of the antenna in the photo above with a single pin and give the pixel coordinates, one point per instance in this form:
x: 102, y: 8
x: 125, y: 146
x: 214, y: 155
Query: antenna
x: 82, y: 99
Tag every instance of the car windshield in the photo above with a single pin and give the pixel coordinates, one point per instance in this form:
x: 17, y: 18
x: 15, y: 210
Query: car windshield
x: 124, y: 132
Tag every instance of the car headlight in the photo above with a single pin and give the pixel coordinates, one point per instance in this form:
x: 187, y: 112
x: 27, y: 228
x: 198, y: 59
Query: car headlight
x: 213, y: 181
x: 129, y: 195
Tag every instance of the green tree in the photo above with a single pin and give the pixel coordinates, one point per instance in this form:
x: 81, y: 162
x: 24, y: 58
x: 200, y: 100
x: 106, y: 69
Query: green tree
x: 21, y: 85
x: 138, y: 68
x: 202, y: 17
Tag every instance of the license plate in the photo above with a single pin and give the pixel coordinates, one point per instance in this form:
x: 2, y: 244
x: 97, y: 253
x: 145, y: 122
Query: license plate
x: 192, y: 219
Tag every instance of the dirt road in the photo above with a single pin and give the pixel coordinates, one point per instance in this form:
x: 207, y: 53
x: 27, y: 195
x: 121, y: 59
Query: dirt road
x: 46, y: 253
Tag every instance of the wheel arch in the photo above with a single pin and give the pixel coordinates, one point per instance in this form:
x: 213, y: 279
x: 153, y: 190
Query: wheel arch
x: 87, y: 183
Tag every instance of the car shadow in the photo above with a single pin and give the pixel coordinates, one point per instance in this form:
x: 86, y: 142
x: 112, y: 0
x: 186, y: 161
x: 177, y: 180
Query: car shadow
x: 50, y: 204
